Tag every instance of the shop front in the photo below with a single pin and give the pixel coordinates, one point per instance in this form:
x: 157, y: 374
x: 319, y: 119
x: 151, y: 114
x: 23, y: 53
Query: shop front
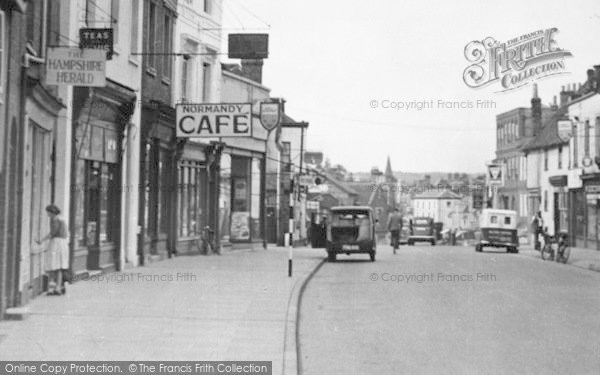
x: 587, y: 204
x: 192, y: 197
x: 157, y: 179
x: 242, y: 198
x: 100, y: 116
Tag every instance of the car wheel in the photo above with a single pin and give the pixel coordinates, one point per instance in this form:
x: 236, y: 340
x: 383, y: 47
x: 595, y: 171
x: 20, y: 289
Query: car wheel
x: 331, y: 256
x: 432, y: 243
x: 372, y: 255
x: 478, y: 248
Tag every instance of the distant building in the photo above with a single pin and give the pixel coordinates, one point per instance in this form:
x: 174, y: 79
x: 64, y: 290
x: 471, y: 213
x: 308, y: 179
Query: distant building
x: 442, y: 206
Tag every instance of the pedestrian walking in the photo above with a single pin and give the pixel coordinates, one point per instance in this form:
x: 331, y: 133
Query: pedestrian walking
x: 57, y: 251
x: 394, y: 225
x: 537, y: 227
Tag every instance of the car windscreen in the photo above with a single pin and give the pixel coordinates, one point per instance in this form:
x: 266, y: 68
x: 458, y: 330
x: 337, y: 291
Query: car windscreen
x: 349, y: 218
x: 421, y: 222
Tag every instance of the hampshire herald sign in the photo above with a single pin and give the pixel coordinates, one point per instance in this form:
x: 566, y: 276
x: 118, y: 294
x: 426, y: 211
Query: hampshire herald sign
x: 214, y: 120
x: 516, y: 62
x: 72, y: 66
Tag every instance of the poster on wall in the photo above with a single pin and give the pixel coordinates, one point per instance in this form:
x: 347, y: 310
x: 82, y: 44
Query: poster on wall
x: 240, y: 227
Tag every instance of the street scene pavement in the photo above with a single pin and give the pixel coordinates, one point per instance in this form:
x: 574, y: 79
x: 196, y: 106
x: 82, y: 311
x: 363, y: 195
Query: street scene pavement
x: 450, y: 310
x: 229, y: 307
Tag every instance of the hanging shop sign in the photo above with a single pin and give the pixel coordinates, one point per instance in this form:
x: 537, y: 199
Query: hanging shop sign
x: 214, y: 120
x: 248, y: 46
x: 565, y: 130
x: 270, y: 115
x: 72, y: 66
x: 495, y: 174
x: 101, y: 39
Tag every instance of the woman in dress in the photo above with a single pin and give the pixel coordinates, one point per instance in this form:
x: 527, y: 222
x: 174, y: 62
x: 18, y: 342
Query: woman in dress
x: 58, y: 251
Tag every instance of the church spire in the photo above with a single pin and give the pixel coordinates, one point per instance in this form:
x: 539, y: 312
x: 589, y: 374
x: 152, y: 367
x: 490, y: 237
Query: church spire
x: 389, y: 174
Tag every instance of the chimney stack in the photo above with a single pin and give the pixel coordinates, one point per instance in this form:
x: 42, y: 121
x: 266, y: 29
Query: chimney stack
x: 564, y: 95
x: 252, y: 69
x: 536, y: 111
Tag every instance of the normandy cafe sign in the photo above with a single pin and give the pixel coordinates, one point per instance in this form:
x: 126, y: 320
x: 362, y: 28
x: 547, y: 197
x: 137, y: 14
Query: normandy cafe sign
x: 514, y: 63
x: 73, y: 66
x: 208, y: 120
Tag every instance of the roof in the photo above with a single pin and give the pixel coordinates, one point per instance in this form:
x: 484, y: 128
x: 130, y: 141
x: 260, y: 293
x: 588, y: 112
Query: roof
x: 436, y: 194
x: 349, y: 208
x: 343, y: 186
x: 548, y: 136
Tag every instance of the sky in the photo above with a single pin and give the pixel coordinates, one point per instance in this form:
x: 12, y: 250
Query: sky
x: 337, y: 63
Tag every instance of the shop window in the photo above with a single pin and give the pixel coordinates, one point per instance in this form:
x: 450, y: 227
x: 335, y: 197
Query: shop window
x: 192, y: 199
x: 157, y: 189
x: 592, y: 224
x: 225, y: 197
x: 96, y: 209
x: 241, y: 198
x: 256, y: 201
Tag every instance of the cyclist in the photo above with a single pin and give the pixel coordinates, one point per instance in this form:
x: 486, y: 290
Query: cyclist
x: 394, y: 225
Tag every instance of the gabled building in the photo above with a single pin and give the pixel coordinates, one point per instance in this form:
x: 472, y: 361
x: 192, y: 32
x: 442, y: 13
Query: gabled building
x: 515, y: 129
x: 584, y: 174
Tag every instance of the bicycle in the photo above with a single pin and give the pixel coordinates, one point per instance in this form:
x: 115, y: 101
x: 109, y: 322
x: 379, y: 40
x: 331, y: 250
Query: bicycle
x: 206, y: 243
x: 553, y: 246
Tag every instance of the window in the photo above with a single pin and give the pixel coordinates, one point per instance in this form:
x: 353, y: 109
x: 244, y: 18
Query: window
x: 167, y: 37
x: 560, y: 157
x: 597, y: 137
x: 545, y: 200
x: 545, y: 160
x: 448, y: 204
x: 151, y: 34
x: 97, y: 215
x: 206, y: 82
x: 286, y: 157
x: 135, y: 8
x: 208, y: 6
x: 586, y: 132
x: 114, y: 20
x: 507, y: 220
x: 575, y: 151
x: 494, y: 219
x: 192, y: 198
x: 185, y: 64
x: 90, y: 13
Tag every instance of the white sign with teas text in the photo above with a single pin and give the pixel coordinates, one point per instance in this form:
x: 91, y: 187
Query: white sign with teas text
x: 72, y: 66
x: 214, y: 120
